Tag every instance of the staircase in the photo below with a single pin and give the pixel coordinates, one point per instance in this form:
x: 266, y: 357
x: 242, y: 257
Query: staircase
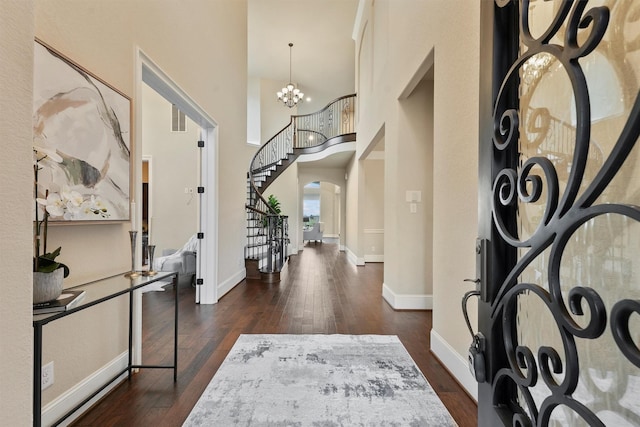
x: 267, y: 230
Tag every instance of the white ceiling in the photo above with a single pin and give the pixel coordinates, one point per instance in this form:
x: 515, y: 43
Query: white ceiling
x: 323, y: 60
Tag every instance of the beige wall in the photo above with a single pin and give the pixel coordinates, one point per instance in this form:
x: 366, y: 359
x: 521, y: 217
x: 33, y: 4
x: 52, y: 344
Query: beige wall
x: 253, y: 111
x: 410, y: 154
x: 354, y: 211
x: 330, y: 209
x: 408, y: 128
x: 16, y: 175
x: 373, y: 225
x: 175, y: 158
x: 102, y: 37
x: 274, y: 116
x: 455, y: 171
x: 397, y: 41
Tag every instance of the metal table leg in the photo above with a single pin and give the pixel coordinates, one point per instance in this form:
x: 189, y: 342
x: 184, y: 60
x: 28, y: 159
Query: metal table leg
x: 175, y: 330
x: 37, y: 368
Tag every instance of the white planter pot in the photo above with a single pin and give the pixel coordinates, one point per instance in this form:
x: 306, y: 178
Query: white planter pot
x: 47, y: 286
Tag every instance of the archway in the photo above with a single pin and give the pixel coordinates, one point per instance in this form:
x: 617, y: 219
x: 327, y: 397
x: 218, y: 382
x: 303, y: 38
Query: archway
x: 321, y: 204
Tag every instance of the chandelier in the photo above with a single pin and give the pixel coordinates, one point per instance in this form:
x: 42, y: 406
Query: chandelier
x: 290, y: 95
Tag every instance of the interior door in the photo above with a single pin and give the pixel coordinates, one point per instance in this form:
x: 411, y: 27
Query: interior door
x: 560, y: 288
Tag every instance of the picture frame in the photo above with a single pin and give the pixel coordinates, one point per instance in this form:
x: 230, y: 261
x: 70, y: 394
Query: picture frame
x: 81, y: 140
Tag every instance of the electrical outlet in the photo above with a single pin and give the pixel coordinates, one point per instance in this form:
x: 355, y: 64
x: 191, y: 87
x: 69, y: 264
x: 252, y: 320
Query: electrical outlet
x: 46, y: 380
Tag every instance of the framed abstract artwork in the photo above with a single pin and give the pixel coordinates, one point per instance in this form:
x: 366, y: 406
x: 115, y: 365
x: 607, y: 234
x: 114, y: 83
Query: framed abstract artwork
x: 81, y: 141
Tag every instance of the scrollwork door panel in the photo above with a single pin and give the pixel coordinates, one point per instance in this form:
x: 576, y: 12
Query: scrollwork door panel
x: 565, y: 200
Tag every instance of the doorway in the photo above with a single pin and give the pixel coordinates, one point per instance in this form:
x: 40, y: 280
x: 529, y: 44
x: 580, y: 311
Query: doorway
x: 170, y: 182
x: 311, y: 205
x: 322, y: 210
x: 150, y: 74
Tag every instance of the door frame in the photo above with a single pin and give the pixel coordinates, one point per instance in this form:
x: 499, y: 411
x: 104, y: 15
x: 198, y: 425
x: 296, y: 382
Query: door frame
x: 148, y: 72
x: 151, y: 74
x: 149, y: 160
x: 488, y: 167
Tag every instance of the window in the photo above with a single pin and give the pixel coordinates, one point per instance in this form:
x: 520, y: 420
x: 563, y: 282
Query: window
x: 311, y: 204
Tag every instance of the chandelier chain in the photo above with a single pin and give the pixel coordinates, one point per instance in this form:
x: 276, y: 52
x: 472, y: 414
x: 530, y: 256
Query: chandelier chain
x: 290, y: 95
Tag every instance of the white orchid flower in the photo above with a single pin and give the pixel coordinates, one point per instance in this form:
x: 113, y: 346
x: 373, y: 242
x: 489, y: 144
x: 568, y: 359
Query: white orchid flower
x: 72, y: 211
x: 87, y: 209
x: 71, y: 205
x: 98, y: 203
x: 55, y: 205
x: 72, y: 197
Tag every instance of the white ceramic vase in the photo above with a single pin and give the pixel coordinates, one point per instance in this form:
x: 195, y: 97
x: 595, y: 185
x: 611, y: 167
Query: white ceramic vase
x: 47, y: 286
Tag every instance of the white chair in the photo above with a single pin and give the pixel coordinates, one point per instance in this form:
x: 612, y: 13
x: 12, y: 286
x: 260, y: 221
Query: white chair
x: 314, y: 233
x: 183, y: 261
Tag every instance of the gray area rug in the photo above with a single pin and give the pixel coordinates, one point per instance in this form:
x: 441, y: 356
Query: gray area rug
x: 319, y: 380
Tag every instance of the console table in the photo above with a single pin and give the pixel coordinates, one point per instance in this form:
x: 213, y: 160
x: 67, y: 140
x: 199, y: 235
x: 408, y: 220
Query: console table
x: 98, y: 292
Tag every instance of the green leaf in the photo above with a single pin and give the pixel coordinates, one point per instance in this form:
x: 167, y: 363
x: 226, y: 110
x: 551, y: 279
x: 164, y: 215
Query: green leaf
x: 47, y: 263
x: 52, y: 255
x: 274, y: 203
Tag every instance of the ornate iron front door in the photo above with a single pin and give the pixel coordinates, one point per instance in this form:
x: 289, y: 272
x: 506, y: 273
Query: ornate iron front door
x: 560, y: 309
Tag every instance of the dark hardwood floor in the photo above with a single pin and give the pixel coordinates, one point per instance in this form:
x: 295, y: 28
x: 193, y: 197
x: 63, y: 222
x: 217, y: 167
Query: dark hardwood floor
x: 320, y: 293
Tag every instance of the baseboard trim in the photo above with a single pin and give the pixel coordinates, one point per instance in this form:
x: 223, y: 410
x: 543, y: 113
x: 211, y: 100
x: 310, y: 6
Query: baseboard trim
x: 231, y: 282
x: 353, y: 257
x: 406, y: 302
x: 455, y: 364
x: 76, y: 394
x: 374, y: 258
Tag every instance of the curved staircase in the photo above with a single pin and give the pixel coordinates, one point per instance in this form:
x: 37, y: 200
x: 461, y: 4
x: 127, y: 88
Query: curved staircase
x: 267, y: 230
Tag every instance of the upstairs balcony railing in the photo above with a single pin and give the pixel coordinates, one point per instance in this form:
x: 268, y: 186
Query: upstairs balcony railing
x: 308, y: 131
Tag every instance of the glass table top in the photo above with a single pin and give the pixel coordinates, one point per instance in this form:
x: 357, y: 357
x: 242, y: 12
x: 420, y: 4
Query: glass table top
x: 104, y: 289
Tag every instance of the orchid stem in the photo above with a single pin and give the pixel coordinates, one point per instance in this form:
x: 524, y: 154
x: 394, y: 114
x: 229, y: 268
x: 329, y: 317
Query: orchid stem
x: 46, y: 225
x: 36, y: 240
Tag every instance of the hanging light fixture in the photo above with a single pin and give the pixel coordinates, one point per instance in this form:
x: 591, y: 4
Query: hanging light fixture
x: 290, y: 95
